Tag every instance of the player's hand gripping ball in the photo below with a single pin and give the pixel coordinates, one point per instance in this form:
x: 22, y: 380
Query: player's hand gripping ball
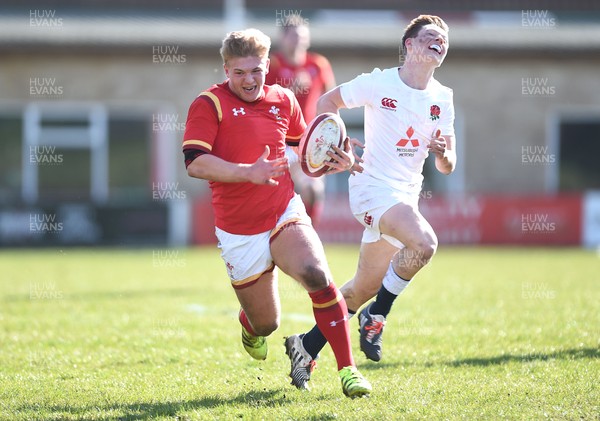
x: 323, y: 132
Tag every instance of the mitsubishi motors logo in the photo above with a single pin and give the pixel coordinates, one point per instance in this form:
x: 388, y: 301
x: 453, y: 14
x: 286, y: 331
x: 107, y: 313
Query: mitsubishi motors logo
x: 409, y: 133
x: 402, y: 143
x: 388, y: 104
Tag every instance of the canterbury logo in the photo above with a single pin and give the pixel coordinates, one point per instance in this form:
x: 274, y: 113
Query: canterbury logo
x: 240, y: 111
x: 368, y: 219
x: 389, y: 102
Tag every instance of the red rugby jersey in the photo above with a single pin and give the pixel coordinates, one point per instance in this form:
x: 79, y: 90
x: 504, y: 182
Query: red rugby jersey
x: 308, y: 82
x: 222, y: 124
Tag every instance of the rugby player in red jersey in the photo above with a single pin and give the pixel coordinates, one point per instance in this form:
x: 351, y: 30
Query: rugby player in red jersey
x: 235, y: 137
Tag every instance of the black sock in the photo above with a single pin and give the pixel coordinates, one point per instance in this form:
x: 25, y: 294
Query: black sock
x: 314, y: 341
x: 383, y: 303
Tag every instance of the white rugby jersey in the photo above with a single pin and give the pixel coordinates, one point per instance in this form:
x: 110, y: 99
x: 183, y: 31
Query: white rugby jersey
x: 399, y: 123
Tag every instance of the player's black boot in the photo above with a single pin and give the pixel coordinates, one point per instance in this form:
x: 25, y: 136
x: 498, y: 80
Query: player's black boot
x: 371, y: 329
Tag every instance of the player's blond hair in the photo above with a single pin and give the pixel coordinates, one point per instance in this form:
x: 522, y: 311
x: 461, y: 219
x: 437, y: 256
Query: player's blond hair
x: 247, y: 43
x: 415, y: 25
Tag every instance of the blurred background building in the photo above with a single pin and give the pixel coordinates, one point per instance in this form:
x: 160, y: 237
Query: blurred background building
x: 94, y: 97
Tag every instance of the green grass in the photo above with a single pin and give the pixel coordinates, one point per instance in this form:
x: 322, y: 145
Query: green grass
x: 484, y: 333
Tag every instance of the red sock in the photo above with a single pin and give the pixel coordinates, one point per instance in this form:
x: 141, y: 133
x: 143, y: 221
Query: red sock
x: 244, y: 321
x: 331, y: 315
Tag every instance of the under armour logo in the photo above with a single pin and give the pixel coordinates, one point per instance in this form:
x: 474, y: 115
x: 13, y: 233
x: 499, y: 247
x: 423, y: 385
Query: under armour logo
x: 334, y: 323
x: 240, y: 111
x: 368, y: 219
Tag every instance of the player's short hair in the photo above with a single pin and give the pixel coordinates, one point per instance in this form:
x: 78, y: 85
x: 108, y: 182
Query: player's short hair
x: 415, y: 25
x: 247, y: 43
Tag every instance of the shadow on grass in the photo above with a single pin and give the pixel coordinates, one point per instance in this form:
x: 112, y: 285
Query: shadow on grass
x: 565, y: 354
x: 373, y: 366
x: 150, y: 410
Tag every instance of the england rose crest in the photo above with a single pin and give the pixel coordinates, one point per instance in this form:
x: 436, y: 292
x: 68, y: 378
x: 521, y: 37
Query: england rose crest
x: 434, y: 112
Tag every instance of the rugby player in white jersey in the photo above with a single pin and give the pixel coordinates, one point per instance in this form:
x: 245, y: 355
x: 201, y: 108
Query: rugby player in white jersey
x: 408, y: 116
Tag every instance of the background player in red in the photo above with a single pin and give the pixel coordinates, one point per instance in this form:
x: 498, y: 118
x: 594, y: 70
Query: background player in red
x: 308, y: 75
x: 235, y: 137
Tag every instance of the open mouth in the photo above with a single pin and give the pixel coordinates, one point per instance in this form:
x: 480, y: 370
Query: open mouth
x: 250, y: 89
x: 436, y: 48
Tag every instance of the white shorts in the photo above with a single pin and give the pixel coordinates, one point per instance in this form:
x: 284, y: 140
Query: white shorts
x: 368, y: 203
x: 247, y: 257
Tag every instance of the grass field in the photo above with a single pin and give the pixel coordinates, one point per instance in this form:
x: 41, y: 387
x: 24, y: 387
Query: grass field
x: 484, y: 333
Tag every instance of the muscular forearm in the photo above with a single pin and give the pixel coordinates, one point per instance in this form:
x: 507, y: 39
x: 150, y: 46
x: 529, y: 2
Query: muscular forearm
x: 213, y: 168
x: 263, y: 171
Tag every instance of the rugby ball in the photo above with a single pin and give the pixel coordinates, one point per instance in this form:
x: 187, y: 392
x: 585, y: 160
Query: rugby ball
x: 322, y: 133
